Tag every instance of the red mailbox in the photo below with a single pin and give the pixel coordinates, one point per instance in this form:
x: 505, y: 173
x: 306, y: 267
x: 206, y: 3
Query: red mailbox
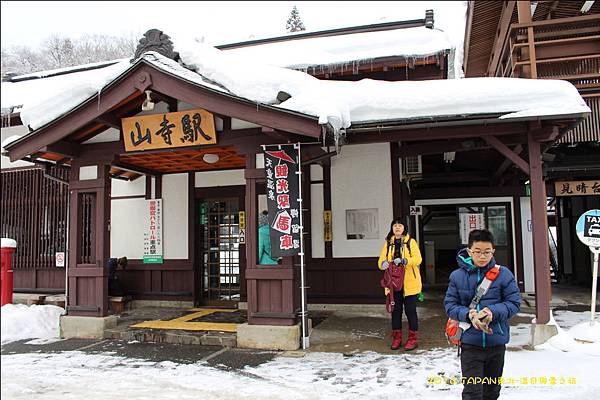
x: 6, y: 276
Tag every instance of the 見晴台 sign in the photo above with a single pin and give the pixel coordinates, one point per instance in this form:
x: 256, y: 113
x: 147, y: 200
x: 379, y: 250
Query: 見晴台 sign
x: 577, y: 188
x: 588, y: 228
x: 170, y: 130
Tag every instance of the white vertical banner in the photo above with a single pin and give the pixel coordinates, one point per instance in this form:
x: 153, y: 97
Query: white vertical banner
x: 469, y: 222
x: 153, y: 245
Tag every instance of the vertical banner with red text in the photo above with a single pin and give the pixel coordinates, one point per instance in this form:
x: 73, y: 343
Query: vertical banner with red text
x: 282, y: 187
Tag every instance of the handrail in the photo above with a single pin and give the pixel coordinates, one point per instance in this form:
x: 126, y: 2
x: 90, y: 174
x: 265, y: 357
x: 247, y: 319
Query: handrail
x: 558, y: 21
x: 507, y: 64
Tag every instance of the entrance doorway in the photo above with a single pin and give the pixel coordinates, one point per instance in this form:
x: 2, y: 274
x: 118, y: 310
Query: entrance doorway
x: 444, y: 229
x: 219, y: 252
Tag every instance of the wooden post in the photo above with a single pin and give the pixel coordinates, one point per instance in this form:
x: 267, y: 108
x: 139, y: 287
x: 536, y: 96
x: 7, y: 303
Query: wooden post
x: 89, y: 242
x: 527, y: 53
x: 539, y: 221
x: 271, y: 289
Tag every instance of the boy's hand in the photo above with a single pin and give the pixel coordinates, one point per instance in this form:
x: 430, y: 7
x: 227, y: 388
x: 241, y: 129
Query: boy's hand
x: 385, y: 265
x: 473, y: 318
x: 485, y: 316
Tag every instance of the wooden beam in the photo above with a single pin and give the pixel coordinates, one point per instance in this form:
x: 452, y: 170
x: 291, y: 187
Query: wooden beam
x: 508, y: 7
x: 110, y: 119
x: 442, y: 146
x: 66, y: 149
x: 355, y: 136
x: 506, y: 163
x: 134, y: 168
x: 508, y: 153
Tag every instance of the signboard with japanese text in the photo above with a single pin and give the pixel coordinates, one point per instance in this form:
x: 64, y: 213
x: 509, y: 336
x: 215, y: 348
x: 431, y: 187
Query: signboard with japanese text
x: 281, y: 167
x: 327, y: 230
x: 170, y: 130
x: 469, y: 222
x: 577, y: 188
x: 153, y: 247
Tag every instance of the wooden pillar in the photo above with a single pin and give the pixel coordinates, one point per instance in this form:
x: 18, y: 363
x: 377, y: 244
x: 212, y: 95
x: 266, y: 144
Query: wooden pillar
x: 528, y: 52
x: 89, y: 240
x: 271, y: 289
x: 539, y: 220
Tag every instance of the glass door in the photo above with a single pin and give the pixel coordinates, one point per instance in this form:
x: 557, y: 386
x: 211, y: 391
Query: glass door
x: 220, y: 256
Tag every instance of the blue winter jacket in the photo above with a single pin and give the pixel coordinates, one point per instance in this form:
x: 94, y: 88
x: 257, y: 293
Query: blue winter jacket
x: 502, y: 298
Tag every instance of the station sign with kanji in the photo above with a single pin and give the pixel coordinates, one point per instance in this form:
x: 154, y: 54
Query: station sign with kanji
x: 577, y: 188
x: 281, y: 169
x: 169, y: 130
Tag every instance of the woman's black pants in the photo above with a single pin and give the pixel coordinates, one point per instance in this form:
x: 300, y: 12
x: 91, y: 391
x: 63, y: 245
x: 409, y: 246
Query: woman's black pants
x: 409, y: 305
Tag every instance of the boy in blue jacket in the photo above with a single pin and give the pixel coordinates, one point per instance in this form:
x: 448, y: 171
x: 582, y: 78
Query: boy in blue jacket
x: 482, y: 345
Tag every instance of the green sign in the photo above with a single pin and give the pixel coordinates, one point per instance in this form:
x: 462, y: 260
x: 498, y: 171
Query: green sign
x: 153, y: 259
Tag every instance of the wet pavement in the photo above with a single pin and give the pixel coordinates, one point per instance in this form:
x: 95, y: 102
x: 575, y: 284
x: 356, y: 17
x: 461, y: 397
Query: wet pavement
x: 347, y: 329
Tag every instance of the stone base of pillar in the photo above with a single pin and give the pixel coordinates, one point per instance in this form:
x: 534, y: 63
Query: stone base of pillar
x: 269, y: 337
x: 541, y: 333
x: 85, y: 327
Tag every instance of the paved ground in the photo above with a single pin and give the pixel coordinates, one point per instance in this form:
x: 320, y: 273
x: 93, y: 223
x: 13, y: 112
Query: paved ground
x: 349, y: 330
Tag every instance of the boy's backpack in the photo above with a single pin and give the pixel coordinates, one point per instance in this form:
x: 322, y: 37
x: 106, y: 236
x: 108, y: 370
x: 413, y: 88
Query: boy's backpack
x: 454, y: 329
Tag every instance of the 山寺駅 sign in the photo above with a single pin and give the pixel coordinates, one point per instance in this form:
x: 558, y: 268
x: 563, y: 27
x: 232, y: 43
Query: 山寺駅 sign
x: 169, y: 130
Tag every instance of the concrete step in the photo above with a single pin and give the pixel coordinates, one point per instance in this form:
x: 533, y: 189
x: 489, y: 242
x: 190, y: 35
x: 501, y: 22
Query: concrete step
x: 205, y: 338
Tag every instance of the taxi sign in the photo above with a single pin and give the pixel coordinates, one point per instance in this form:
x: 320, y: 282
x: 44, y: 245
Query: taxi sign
x: 588, y: 228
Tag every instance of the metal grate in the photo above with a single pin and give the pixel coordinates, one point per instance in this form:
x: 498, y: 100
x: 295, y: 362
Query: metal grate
x: 589, y: 129
x: 34, y: 213
x: 87, y: 207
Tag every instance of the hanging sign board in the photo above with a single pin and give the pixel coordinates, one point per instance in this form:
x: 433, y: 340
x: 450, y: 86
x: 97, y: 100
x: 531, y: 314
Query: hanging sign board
x: 588, y: 229
x: 153, y: 248
x: 416, y: 210
x: 281, y: 167
x: 577, y: 188
x: 327, y: 232
x: 469, y: 222
x: 170, y: 130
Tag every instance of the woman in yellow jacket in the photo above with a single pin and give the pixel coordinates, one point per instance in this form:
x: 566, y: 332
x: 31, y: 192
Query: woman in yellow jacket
x: 400, y: 249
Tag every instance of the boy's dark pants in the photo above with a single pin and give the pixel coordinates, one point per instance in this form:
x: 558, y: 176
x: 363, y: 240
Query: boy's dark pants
x: 481, y: 362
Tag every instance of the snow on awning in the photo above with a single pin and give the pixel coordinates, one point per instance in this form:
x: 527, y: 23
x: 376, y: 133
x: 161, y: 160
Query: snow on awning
x: 338, y: 104
x: 349, y: 50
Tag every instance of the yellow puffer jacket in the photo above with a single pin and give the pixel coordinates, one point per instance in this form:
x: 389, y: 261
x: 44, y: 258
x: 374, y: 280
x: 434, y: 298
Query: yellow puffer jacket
x: 412, y: 277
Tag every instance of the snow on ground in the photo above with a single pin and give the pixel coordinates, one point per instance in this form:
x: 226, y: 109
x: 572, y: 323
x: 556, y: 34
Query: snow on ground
x: 24, y: 322
x: 545, y: 374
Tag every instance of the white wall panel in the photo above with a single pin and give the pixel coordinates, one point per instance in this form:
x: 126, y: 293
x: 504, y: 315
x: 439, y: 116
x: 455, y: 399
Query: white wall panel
x: 316, y: 220
x: 127, y: 228
x: 175, y: 216
x: 121, y: 188
x: 360, y: 178
x: 220, y: 178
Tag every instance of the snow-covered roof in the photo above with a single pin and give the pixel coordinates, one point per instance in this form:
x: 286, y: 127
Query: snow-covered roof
x: 65, y: 70
x: 349, y: 50
x: 31, y: 88
x: 338, y: 103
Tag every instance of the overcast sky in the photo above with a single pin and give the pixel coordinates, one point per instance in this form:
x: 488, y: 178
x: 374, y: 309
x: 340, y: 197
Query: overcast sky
x: 29, y: 23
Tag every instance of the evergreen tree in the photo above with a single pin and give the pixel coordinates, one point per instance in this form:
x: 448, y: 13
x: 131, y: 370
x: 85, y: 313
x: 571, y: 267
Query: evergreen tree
x: 294, y: 22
